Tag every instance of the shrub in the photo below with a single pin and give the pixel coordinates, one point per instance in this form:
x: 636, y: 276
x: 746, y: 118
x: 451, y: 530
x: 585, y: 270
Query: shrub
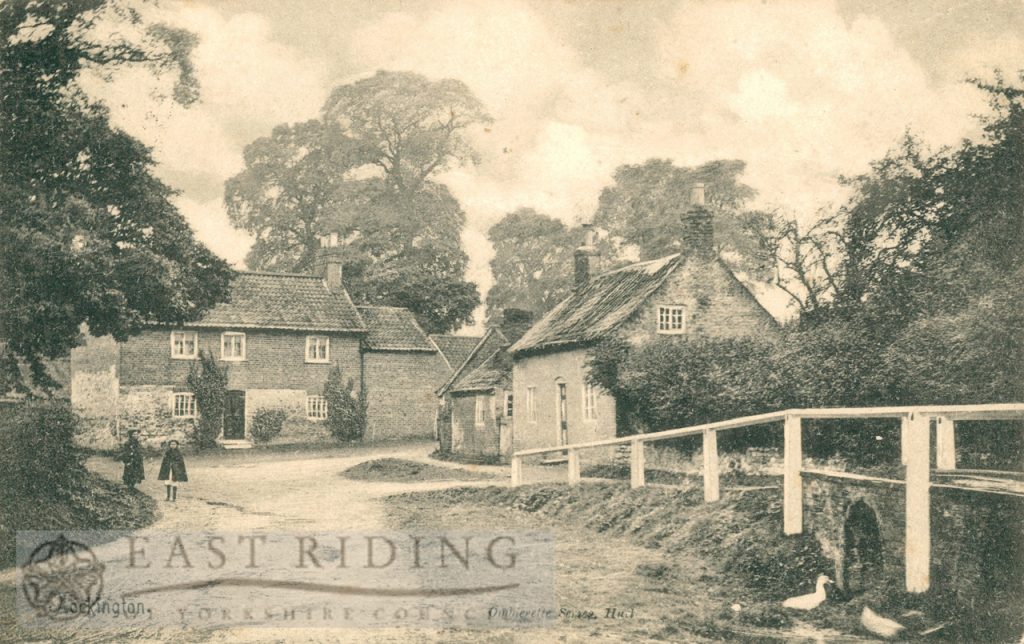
x: 38, y: 457
x: 208, y: 383
x: 266, y: 424
x: 346, y: 409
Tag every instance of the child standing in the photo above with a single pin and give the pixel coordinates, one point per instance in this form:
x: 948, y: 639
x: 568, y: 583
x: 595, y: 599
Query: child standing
x: 172, y: 470
x: 131, y: 456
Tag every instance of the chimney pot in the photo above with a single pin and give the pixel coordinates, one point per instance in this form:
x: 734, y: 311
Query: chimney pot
x: 697, y: 194
x: 584, y: 256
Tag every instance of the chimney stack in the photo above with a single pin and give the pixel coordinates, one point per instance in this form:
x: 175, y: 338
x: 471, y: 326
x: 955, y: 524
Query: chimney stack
x: 328, y: 264
x: 698, y: 235
x: 584, y: 254
x: 515, y: 323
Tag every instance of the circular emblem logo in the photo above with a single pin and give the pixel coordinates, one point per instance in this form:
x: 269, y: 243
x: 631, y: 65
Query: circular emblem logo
x: 62, y: 579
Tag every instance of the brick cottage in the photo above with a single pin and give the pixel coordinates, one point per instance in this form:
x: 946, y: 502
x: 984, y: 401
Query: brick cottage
x: 277, y: 337
x: 686, y: 295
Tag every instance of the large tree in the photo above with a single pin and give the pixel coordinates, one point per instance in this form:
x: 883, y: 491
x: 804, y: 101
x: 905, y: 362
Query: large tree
x: 532, y: 265
x: 415, y: 126
x: 90, y: 235
x: 365, y: 171
x: 644, y: 205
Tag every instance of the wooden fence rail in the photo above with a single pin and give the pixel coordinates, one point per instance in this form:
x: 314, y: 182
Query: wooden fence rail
x: 915, y: 451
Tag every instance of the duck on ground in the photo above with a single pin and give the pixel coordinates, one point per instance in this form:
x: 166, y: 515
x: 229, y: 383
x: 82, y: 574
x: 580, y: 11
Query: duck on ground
x: 881, y: 626
x: 812, y: 600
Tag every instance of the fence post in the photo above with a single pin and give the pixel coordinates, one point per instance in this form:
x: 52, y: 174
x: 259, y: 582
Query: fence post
x: 636, y: 463
x: 792, y: 485
x: 917, y: 435
x: 517, y: 471
x: 945, y: 443
x: 574, y: 467
x: 710, y: 466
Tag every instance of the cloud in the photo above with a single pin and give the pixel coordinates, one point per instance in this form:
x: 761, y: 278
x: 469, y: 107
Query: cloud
x: 797, y: 90
x: 211, y: 225
x: 249, y: 83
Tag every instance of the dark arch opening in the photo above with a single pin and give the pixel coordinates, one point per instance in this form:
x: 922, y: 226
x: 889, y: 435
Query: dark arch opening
x: 862, y: 549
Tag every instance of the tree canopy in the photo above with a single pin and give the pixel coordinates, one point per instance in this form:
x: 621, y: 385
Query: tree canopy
x: 644, y: 205
x: 532, y: 265
x: 90, y: 234
x: 365, y: 171
x: 924, y: 306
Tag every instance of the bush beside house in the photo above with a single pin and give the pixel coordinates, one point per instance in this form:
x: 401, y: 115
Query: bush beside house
x: 267, y: 424
x: 346, y: 409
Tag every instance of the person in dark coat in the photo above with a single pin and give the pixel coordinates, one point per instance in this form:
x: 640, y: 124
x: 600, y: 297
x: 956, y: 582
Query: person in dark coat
x: 131, y: 456
x: 172, y: 470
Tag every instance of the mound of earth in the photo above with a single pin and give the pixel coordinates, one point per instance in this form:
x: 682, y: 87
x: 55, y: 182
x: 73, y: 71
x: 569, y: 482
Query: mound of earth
x: 396, y: 470
x: 97, y: 504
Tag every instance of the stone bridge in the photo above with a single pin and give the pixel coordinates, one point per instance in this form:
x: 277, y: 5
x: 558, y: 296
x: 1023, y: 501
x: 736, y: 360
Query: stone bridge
x: 977, y: 533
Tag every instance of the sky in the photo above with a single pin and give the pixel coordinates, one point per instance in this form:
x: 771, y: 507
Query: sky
x: 804, y: 92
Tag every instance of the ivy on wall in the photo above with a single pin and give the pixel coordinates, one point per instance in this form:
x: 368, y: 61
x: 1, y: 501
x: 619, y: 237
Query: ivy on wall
x: 208, y: 383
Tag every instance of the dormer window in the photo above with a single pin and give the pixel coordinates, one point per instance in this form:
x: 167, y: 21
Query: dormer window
x: 671, y: 319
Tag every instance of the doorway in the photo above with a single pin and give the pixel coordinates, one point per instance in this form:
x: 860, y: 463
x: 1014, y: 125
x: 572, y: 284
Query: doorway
x: 234, y: 415
x: 563, y: 415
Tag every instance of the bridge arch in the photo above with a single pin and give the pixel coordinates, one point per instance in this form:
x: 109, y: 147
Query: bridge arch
x: 863, y: 557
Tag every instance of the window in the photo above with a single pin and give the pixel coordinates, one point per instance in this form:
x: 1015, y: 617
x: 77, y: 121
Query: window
x: 184, y: 345
x: 316, y: 408
x: 318, y: 348
x: 481, y: 409
x: 589, y: 402
x: 531, y: 404
x: 508, y: 404
x: 183, y: 405
x: 671, y: 319
x: 232, y: 346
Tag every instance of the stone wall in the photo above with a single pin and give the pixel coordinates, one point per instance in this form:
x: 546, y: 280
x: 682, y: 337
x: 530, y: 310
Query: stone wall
x: 94, y: 389
x: 147, y: 408
x: 401, y: 393
x: 977, y: 544
x: 297, y: 427
x: 717, y: 305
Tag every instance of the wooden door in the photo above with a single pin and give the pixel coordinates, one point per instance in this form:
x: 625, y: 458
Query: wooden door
x: 563, y: 416
x: 234, y: 415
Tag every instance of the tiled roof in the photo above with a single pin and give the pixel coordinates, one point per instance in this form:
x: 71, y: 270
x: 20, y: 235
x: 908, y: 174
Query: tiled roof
x: 495, y: 371
x: 283, y: 301
x: 455, y: 348
x: 589, y: 313
x: 491, y: 342
x: 393, y: 329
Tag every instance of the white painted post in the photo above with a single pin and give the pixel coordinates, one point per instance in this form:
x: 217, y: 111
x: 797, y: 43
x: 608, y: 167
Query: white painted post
x: 945, y: 443
x: 574, y: 467
x: 903, y: 440
x: 917, y: 437
x: 517, y: 471
x: 636, y: 463
x: 710, y: 466
x: 792, y: 484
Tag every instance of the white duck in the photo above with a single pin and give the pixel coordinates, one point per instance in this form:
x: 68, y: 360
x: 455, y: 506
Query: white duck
x: 811, y: 601
x: 881, y: 626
